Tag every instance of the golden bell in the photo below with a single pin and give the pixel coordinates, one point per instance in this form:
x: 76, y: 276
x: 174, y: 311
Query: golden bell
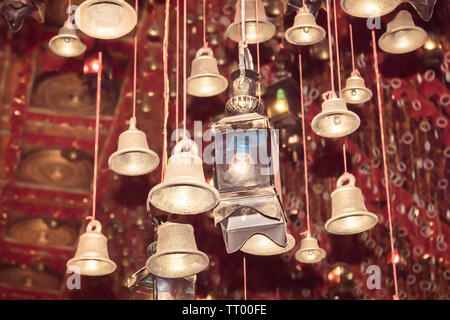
x: 184, y: 189
x: 355, y: 90
x: 91, y: 258
x: 266, y: 29
x: 102, y: 19
x: 349, y: 214
x: 305, y: 30
x: 67, y: 43
x: 402, y: 35
x: 205, y: 79
x: 133, y: 156
x: 176, y: 255
x: 368, y: 8
x: 309, y: 251
x: 335, y: 120
x: 260, y: 245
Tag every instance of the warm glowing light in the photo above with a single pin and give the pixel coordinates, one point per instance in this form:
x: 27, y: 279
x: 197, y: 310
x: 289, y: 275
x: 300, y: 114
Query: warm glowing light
x: 429, y: 44
x: 293, y: 139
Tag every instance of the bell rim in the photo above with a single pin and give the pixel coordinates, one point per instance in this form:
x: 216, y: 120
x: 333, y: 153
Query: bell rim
x: 149, y: 152
x: 59, y: 36
x: 107, y: 261
x: 86, y: 4
x: 365, y: 89
x: 234, y: 29
x: 322, y: 114
x: 349, y: 12
x: 381, y: 41
x: 290, y: 244
x: 220, y: 77
x: 351, y: 214
x: 183, y: 251
x: 295, y: 28
x: 322, y: 255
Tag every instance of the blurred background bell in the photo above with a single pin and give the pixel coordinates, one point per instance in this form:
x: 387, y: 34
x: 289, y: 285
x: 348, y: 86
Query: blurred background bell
x: 261, y: 245
x: 368, y: 8
x: 133, y: 156
x: 67, y: 43
x: 305, y: 30
x: 349, y: 214
x: 266, y: 29
x: 16, y: 11
x: 101, y: 19
x: 176, y: 255
x: 184, y: 189
x: 402, y: 35
x: 92, y: 258
x: 355, y: 90
x: 205, y: 79
x: 309, y: 251
x: 335, y: 120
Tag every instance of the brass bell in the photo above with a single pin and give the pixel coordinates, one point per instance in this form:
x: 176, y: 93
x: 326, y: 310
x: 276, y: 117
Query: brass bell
x: 91, y: 258
x: 102, y: 19
x: 184, y: 189
x: 355, y: 90
x: 305, y: 30
x: 205, y: 79
x: 402, y: 35
x: 309, y: 251
x: 176, y: 255
x: 261, y: 245
x: 335, y: 120
x: 368, y: 8
x: 133, y: 156
x: 67, y: 43
x: 349, y: 214
x: 266, y: 29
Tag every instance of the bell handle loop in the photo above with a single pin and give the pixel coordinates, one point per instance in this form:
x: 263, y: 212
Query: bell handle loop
x: 355, y: 72
x: 94, y: 226
x: 204, y: 51
x: 344, y: 178
x: 193, y: 148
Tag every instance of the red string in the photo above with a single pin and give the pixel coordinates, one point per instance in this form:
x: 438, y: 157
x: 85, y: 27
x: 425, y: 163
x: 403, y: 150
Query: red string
x: 351, y: 47
x: 184, y: 66
x: 135, y: 65
x: 257, y: 47
x: 282, y: 24
x: 245, y: 276
x: 385, y: 168
x: 337, y: 47
x: 70, y: 10
x: 345, y: 157
x: 166, y: 89
x: 97, y: 128
x: 330, y: 47
x: 205, y: 44
x: 177, y: 84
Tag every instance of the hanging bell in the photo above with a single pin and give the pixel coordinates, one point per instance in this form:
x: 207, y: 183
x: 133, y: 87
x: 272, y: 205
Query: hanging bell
x: 133, y: 156
x: 335, y: 120
x: 91, y: 258
x: 67, y: 43
x: 205, y: 79
x: 368, y: 8
x: 261, y: 245
x: 102, y: 19
x: 176, y: 255
x: 305, y: 30
x: 184, y: 189
x: 355, y: 90
x: 309, y: 251
x: 266, y: 29
x: 402, y: 35
x: 349, y: 214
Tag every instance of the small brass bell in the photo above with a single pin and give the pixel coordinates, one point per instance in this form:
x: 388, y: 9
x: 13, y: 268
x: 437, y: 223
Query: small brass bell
x: 305, y: 30
x: 355, y: 90
x: 402, y: 35
x: 368, y: 8
x: 67, y: 43
x: 205, y: 79
x: 133, y: 156
x: 309, y: 251
x: 184, y: 189
x: 102, y: 19
x: 266, y: 29
x: 176, y: 255
x: 335, y: 120
x: 92, y: 258
x: 261, y: 245
x: 349, y: 214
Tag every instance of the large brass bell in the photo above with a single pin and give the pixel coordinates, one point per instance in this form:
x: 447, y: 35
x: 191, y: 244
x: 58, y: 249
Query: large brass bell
x: 266, y: 29
x: 355, y: 90
x: 133, y: 156
x: 261, y: 245
x: 335, y: 120
x: 309, y: 251
x: 402, y: 35
x: 368, y: 8
x: 102, y: 19
x: 92, y: 258
x: 67, y: 43
x: 349, y: 214
x: 205, y: 79
x: 184, y: 189
x: 305, y: 30
x: 176, y: 255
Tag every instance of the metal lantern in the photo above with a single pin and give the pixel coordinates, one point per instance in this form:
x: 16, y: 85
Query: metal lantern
x: 101, y: 19
x: 349, y: 214
x: 368, y: 8
x: 355, y: 90
x: 305, y: 30
x: 309, y: 251
x: 67, y: 43
x: 16, y: 11
x: 402, y: 35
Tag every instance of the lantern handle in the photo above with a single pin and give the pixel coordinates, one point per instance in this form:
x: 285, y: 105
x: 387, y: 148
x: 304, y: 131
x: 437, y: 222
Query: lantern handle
x: 183, y: 143
x: 344, y: 178
x: 204, y: 51
x: 94, y: 226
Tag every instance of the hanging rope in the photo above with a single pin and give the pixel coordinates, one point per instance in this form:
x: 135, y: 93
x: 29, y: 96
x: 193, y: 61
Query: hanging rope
x: 244, y: 35
x: 205, y: 43
x: 184, y: 66
x: 244, y: 262
x: 177, y: 72
x: 166, y: 88
x: 258, y: 60
x: 282, y: 22
x: 330, y: 47
x: 351, y: 46
x: 135, y: 64
x: 344, y: 153
x: 385, y: 168
x: 69, y: 11
x: 337, y: 48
